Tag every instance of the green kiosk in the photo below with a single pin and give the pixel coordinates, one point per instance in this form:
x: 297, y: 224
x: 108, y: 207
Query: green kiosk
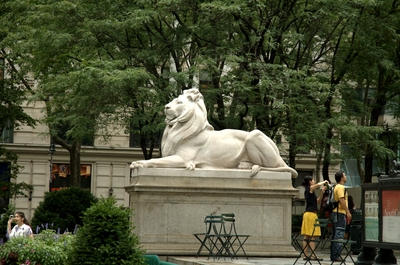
x: 381, y: 208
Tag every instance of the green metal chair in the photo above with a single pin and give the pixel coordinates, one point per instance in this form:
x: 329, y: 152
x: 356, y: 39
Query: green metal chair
x: 322, y: 224
x: 212, y: 240
x: 234, y: 241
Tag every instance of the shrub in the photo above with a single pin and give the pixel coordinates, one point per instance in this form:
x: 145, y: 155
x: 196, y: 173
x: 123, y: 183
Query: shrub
x: 62, y: 209
x: 106, y: 237
x: 47, y: 248
x: 3, y: 221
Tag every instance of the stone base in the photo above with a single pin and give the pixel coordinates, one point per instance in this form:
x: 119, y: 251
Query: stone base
x: 169, y: 206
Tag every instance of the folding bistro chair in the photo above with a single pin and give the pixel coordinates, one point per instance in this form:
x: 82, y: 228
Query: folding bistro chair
x: 296, y: 229
x: 346, y: 246
x: 213, y: 240
x: 321, y: 223
x: 327, y: 235
x: 234, y: 241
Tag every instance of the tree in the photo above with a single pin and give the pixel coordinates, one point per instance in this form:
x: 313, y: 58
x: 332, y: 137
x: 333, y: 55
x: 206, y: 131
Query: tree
x: 371, y: 61
x: 81, y: 79
x: 279, y: 70
x: 287, y: 68
x: 14, y: 91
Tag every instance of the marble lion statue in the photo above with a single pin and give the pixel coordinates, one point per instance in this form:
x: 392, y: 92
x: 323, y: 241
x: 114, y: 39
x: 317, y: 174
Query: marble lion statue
x: 190, y: 142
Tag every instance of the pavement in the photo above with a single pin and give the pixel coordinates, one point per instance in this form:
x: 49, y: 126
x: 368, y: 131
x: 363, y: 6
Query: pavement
x: 257, y: 260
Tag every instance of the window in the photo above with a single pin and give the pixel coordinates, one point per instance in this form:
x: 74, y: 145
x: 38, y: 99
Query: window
x: 61, y: 176
x: 1, y: 69
x: 205, y: 81
x: 134, y: 138
x: 297, y: 181
x: 349, y: 166
x: 64, y: 127
x: 7, y: 135
x: 278, y: 139
x: 4, y: 171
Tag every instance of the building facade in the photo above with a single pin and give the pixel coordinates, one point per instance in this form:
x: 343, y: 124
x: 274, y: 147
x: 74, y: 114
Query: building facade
x: 104, y: 168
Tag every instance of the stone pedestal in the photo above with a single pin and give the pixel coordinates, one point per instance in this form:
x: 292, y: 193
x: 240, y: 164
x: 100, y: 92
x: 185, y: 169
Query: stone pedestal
x: 169, y: 206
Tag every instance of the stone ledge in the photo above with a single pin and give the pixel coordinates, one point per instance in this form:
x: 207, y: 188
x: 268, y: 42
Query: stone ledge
x: 170, y: 204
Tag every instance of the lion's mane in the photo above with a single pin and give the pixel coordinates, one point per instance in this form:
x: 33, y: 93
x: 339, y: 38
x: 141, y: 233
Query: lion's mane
x: 189, y: 123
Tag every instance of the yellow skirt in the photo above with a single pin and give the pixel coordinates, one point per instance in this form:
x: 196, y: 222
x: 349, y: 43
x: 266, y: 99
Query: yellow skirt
x: 307, y: 226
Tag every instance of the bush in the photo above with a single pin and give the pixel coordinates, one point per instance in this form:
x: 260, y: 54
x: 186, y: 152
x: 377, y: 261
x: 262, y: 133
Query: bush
x: 106, y: 237
x: 62, y: 210
x: 47, y: 248
x: 3, y: 221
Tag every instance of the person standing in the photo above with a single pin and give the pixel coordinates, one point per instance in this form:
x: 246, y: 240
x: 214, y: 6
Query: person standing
x: 22, y: 228
x: 309, y: 216
x: 351, y: 206
x: 339, y: 215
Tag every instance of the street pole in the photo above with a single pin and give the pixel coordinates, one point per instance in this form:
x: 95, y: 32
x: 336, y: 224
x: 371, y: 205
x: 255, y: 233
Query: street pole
x: 52, y: 149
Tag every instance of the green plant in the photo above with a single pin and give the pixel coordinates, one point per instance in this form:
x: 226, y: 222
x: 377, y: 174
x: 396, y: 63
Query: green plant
x: 106, y: 237
x: 62, y: 210
x: 3, y: 221
x: 47, y: 248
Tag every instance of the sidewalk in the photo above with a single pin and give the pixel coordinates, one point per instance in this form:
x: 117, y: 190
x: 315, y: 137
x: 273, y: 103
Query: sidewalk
x: 255, y: 260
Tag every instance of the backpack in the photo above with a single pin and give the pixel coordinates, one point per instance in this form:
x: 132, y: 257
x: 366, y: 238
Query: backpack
x: 328, y: 199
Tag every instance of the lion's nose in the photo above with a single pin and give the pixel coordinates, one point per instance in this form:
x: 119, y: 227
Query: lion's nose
x: 167, y: 107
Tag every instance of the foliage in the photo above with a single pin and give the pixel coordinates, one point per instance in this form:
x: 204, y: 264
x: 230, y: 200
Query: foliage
x: 47, y: 248
x: 291, y: 69
x: 10, y: 210
x: 62, y: 210
x: 106, y: 237
x: 12, y: 115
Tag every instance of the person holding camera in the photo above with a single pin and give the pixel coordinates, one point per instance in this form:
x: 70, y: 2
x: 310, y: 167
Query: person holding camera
x: 308, y: 231
x: 22, y: 227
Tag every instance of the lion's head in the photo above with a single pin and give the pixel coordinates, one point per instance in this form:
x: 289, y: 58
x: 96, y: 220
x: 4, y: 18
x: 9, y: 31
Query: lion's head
x: 186, y: 116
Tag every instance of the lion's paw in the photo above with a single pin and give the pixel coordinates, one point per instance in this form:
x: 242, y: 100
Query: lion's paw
x: 190, y: 166
x: 136, y: 164
x: 254, y: 170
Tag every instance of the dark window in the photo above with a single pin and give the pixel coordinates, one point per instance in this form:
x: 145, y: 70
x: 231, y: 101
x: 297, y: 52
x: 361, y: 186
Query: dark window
x: 63, y: 133
x: 303, y: 147
x: 278, y: 139
x: 297, y: 181
x: 134, y: 139
x: 4, y: 177
x: 61, y: 176
x: 7, y: 135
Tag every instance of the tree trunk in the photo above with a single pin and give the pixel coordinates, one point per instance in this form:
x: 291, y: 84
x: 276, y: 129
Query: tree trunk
x: 361, y: 171
x: 329, y: 135
x: 369, y: 155
x: 75, y: 164
x: 380, y: 103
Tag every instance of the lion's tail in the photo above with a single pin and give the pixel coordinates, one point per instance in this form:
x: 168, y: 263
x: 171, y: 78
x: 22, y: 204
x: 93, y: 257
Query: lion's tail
x: 275, y: 169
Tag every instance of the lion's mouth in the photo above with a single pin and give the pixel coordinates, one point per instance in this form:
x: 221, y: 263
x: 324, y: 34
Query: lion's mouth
x: 171, y: 120
x: 169, y: 116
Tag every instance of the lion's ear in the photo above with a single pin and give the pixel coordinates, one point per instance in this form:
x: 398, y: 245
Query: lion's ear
x: 190, y: 97
x: 194, y: 97
x: 193, y: 94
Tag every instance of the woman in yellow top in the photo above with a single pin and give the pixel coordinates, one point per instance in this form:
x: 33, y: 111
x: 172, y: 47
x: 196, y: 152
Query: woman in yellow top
x: 309, y: 216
